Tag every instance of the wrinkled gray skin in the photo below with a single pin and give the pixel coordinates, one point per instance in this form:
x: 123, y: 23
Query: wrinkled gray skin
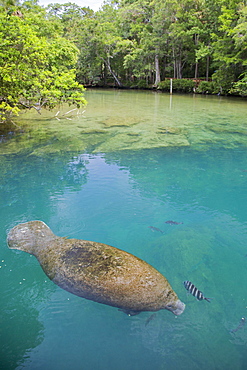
x: 96, y: 271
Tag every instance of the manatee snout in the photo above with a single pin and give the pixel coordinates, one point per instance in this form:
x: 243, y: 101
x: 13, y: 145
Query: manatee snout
x: 19, y: 238
x: 176, y: 308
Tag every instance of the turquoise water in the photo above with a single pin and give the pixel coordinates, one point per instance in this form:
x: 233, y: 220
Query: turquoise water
x: 113, y: 196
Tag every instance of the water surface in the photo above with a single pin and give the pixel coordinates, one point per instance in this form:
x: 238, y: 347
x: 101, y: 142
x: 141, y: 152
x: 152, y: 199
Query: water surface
x: 130, y: 161
x: 130, y: 120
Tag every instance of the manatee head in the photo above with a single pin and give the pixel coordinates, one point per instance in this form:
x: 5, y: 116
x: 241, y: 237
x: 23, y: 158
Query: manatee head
x: 29, y: 236
x: 176, y: 307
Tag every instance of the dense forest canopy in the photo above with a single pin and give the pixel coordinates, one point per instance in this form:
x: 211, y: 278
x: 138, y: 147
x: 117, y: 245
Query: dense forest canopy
x: 48, y: 54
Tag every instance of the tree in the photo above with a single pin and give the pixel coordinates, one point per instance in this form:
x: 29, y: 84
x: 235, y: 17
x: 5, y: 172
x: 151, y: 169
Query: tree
x: 142, y: 59
x: 106, y: 39
x: 37, y: 67
x: 240, y: 40
x: 228, y: 51
x: 70, y: 16
x: 130, y: 42
x: 101, y: 46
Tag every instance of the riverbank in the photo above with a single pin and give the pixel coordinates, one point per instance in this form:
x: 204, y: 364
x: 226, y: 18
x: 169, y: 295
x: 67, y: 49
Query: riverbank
x: 171, y: 85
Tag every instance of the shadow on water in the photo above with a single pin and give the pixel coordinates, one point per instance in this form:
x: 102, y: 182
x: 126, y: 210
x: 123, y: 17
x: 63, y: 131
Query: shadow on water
x: 113, y: 197
x: 21, y: 329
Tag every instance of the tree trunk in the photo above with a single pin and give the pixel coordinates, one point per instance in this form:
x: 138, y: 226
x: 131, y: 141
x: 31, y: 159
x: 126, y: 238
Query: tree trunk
x: 174, y: 63
x: 207, y: 70
x: 157, y: 70
x: 104, y: 73
x: 179, y: 68
x: 196, y: 65
x: 107, y: 62
x: 196, y: 70
x: 177, y: 62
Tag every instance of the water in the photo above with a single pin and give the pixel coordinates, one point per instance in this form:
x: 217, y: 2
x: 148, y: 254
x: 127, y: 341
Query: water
x: 185, y: 161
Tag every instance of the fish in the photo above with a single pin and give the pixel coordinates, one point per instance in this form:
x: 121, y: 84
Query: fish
x: 173, y: 222
x: 155, y: 229
x: 240, y: 325
x: 194, y: 291
x: 150, y: 318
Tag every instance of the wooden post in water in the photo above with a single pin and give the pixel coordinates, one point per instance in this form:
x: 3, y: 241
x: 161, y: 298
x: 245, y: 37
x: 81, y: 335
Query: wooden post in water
x: 171, y: 86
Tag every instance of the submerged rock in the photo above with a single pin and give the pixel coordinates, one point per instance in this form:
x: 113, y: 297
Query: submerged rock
x: 96, y: 271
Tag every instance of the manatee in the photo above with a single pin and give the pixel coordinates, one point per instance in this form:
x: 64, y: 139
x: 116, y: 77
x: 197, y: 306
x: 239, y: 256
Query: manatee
x: 96, y: 271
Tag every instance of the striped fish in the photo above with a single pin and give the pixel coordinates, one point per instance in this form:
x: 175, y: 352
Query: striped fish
x: 194, y: 291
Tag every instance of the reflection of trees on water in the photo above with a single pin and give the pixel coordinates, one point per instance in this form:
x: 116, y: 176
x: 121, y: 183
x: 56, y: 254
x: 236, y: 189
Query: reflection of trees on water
x: 179, y: 175
x: 17, y: 339
x: 21, y: 331
x: 28, y: 186
x: 76, y: 173
x: 28, y: 183
x: 169, y: 339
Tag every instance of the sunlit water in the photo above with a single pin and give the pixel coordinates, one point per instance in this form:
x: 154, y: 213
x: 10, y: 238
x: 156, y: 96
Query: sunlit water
x: 185, y: 161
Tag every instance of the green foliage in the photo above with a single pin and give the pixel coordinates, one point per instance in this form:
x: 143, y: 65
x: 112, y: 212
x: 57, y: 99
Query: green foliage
x: 240, y: 87
x: 43, y: 52
x: 207, y: 87
x: 178, y: 85
x: 139, y: 84
x: 164, y: 85
x: 36, y: 66
x: 224, y: 78
x: 161, y: 39
x: 229, y: 45
x: 141, y: 42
